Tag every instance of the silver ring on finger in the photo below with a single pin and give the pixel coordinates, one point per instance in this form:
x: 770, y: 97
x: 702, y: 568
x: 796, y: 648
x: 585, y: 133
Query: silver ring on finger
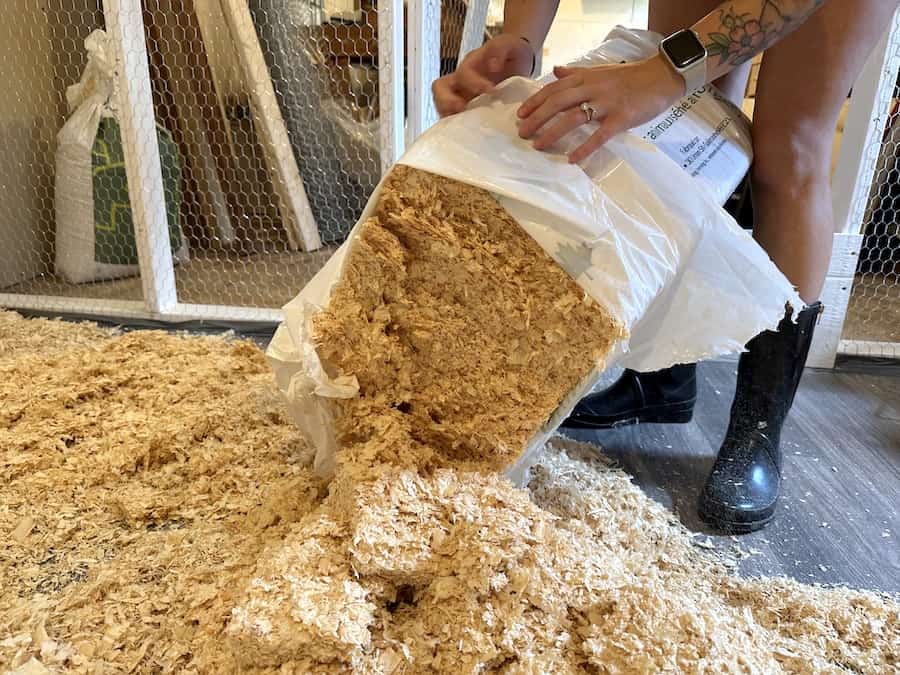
x: 588, y: 111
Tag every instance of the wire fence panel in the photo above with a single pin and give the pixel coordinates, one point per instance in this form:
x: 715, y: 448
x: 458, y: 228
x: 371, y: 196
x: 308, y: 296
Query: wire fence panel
x: 274, y: 104
x: 872, y: 326
x: 453, y: 19
x: 326, y: 81
x: 255, y: 131
x: 50, y: 246
x: 235, y: 143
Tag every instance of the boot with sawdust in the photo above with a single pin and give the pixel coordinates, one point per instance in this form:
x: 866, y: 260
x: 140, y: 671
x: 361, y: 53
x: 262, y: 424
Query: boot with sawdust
x: 741, y: 492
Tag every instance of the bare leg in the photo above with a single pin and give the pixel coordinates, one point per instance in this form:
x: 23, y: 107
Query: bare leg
x: 803, y: 82
x: 668, y: 16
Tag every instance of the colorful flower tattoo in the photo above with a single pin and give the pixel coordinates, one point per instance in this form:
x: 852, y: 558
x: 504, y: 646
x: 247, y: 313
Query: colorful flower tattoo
x: 741, y: 36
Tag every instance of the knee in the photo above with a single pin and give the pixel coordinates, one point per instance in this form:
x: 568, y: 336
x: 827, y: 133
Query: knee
x: 791, y: 161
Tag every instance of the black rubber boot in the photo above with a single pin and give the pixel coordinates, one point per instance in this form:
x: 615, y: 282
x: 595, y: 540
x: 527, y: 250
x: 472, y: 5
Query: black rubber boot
x: 741, y: 492
x: 740, y: 204
x: 663, y: 397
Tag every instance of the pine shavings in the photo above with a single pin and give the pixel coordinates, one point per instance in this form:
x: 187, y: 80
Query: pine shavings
x: 21, y: 337
x: 443, y: 566
x: 329, y: 612
x: 143, y: 475
x: 461, y: 572
x: 456, y: 324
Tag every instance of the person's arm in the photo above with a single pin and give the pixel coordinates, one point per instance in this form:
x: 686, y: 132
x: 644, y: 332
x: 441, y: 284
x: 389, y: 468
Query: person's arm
x: 616, y: 98
x: 513, y: 52
x: 740, y: 29
x: 529, y: 19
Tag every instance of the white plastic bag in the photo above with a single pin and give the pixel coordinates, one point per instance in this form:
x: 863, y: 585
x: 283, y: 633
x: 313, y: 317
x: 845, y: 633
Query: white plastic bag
x: 91, y: 101
x: 707, y: 135
x: 643, y: 237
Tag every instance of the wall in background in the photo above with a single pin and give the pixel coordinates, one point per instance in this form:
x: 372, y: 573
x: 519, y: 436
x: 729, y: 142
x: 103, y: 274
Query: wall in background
x: 41, y: 53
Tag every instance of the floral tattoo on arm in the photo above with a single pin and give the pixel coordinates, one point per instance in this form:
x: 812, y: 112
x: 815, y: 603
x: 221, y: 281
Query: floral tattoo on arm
x: 741, y: 36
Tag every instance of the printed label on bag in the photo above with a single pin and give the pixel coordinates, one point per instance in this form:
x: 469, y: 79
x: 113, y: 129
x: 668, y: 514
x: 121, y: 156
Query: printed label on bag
x: 707, y: 141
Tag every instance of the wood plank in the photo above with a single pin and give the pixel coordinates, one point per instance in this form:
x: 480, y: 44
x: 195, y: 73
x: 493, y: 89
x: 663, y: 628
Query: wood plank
x: 391, y: 92
x: 177, y: 111
x: 845, y: 255
x: 297, y: 215
x: 215, y: 142
x: 835, y: 298
x: 239, y: 158
x: 207, y: 23
x: 124, y: 23
x: 863, y: 130
x: 874, y: 349
x: 423, y: 64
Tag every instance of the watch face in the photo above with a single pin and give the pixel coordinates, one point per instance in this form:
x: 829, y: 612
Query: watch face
x: 683, y: 48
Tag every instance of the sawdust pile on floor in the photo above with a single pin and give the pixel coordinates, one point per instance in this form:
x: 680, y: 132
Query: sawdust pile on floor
x: 143, y: 475
x: 459, y: 572
x: 459, y: 328
x: 21, y: 338
x: 153, y: 492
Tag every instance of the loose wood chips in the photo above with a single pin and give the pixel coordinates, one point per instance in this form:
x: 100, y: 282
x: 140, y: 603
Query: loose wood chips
x: 460, y: 329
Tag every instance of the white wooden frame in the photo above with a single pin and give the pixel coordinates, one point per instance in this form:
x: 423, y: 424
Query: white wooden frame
x: 851, y: 184
x: 138, y: 309
x: 473, y: 27
x: 391, y: 94
x: 870, y: 349
x: 137, y: 121
x: 423, y: 56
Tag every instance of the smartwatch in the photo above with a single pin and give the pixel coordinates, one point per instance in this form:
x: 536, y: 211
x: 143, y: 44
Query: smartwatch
x: 686, y: 54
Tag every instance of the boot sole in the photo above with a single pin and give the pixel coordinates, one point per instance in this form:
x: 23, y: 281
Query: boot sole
x: 680, y: 415
x: 728, y: 526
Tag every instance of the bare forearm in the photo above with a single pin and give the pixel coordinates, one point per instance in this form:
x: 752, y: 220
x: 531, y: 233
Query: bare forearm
x: 738, y: 30
x: 529, y: 19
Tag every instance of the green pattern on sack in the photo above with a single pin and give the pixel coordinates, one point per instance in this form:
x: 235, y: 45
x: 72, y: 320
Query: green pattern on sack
x: 114, y: 241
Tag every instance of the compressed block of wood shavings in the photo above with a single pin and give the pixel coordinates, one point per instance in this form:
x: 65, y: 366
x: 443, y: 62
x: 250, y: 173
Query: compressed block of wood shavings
x: 330, y: 613
x: 153, y: 488
x: 459, y: 572
x: 448, y: 312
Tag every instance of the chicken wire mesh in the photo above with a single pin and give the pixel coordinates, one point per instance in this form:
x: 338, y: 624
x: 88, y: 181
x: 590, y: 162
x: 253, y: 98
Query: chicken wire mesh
x: 267, y: 142
x: 453, y: 20
x: 236, y: 81
x: 872, y: 326
x: 453, y: 25
x: 41, y: 53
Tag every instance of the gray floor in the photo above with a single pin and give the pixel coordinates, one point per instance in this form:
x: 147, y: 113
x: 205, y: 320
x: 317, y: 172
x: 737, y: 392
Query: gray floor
x: 839, y: 518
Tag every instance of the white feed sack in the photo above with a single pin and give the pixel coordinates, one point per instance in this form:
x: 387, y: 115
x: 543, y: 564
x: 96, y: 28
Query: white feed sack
x: 705, y: 133
x: 640, y: 234
x: 95, y: 236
